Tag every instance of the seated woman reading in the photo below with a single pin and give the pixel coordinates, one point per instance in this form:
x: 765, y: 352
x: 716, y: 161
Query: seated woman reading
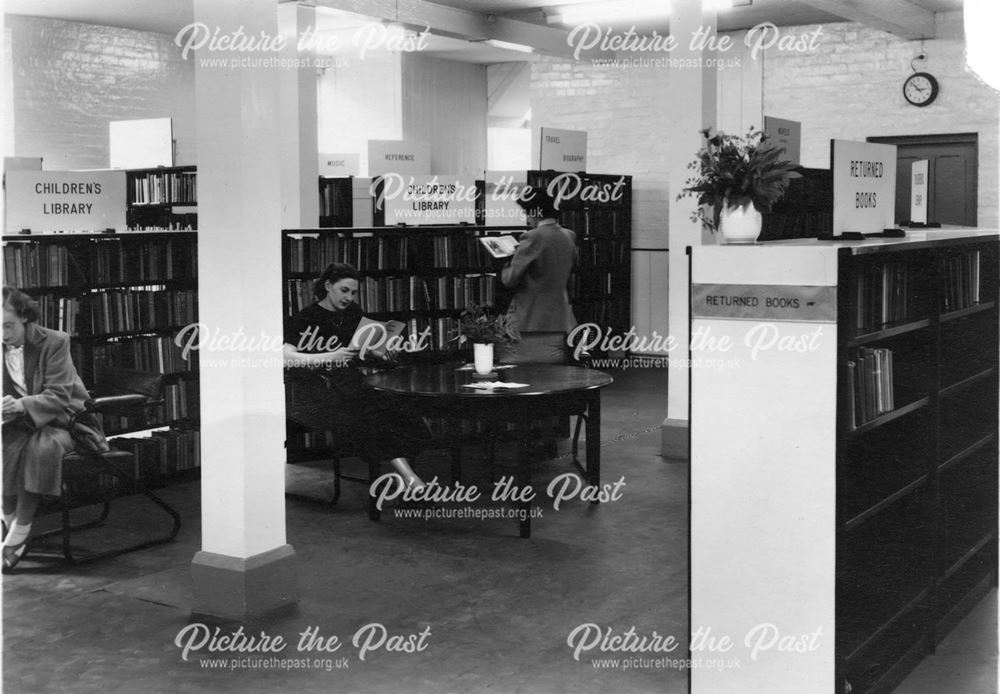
x: 326, y: 390
x: 41, y: 392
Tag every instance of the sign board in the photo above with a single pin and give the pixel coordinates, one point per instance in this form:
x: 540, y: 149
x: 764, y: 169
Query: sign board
x: 65, y: 201
x: 141, y: 144
x: 756, y: 302
x: 412, y: 200
x: 918, y: 191
x: 786, y: 134
x: 339, y: 164
x: 500, y: 206
x: 22, y: 163
x: 562, y: 150
x: 398, y: 156
x: 864, y: 186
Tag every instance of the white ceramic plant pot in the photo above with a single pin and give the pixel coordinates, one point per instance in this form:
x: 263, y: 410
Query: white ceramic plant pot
x: 740, y: 223
x: 482, y: 356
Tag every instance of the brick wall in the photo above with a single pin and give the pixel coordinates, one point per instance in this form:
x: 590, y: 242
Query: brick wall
x: 851, y: 88
x: 71, y: 79
x: 622, y: 112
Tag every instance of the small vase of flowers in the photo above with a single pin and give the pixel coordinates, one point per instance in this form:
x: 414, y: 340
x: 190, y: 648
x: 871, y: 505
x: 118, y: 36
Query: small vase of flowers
x: 484, y: 328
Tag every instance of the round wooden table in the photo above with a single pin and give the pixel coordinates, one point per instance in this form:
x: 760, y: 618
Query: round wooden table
x: 551, y: 389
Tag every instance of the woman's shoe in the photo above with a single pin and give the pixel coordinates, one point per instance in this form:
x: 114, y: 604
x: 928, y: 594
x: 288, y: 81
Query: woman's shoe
x: 404, y: 470
x: 12, y: 555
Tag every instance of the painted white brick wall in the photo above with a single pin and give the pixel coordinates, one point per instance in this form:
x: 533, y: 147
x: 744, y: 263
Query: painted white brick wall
x: 851, y: 88
x: 71, y: 79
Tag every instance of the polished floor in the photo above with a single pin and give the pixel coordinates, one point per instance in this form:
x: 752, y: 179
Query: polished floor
x: 499, y: 609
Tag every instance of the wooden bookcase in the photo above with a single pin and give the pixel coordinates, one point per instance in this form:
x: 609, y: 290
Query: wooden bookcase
x: 336, y: 206
x: 123, y: 298
x: 917, y: 478
x: 162, y: 199
x: 602, y: 284
x: 847, y: 476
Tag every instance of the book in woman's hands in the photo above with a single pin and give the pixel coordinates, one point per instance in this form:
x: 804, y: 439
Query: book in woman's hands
x: 374, y: 338
x: 499, y: 246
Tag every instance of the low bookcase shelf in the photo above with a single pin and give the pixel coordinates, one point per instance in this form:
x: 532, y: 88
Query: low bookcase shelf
x: 877, y: 531
x: 123, y: 298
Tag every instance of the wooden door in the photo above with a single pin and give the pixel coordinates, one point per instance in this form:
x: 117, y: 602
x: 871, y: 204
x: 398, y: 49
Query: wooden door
x: 952, y: 173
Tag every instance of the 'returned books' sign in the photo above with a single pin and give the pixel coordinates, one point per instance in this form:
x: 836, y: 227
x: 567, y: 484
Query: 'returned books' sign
x: 864, y: 186
x: 65, y: 201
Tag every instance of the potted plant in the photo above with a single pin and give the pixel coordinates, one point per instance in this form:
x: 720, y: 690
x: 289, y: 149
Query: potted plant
x: 738, y: 178
x: 484, y: 328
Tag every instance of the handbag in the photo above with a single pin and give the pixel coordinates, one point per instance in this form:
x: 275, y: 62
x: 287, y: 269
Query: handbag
x: 88, y: 434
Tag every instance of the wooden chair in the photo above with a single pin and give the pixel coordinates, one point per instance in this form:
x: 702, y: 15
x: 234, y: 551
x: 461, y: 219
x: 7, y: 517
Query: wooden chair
x: 99, y: 478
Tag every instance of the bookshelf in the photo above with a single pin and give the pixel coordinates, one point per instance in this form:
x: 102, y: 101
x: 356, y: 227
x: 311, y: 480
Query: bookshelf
x: 162, y: 199
x: 123, y: 299
x: 336, y: 204
x: 858, y: 476
x: 601, y: 290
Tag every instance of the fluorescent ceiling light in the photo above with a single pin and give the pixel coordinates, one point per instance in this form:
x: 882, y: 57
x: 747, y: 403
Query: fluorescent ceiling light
x: 496, y: 43
x: 619, y: 10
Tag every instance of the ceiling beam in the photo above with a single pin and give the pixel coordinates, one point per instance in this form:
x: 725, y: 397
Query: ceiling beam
x: 463, y: 24
x: 899, y: 17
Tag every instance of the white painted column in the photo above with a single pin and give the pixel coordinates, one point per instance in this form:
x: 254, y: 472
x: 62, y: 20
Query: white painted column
x: 245, y: 566
x: 298, y: 119
x: 692, y: 107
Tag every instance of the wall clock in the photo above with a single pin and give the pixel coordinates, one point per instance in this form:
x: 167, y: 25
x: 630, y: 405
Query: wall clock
x: 920, y: 88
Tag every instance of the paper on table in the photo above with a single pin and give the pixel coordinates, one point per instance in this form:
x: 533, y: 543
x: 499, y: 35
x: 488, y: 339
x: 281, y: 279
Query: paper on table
x: 496, y: 367
x: 495, y: 384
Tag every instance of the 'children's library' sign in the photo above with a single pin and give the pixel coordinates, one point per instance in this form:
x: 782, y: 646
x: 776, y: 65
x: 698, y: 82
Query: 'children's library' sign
x: 65, y: 201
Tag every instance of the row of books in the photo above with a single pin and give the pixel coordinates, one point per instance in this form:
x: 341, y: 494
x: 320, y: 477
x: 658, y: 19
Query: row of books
x: 869, y: 385
x: 883, y: 296
x: 459, y: 291
x: 119, y: 261
x: 962, y: 280
x: 336, y: 196
x: 59, y: 312
x: 154, y: 188
x: 156, y: 354
x: 592, y: 283
x: 603, y: 251
x: 460, y: 251
x: 28, y: 265
x: 127, y: 310
x: 163, y: 452
x: 312, y: 254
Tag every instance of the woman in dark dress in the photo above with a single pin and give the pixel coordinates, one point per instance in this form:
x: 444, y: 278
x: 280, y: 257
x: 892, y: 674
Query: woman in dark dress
x: 325, y: 389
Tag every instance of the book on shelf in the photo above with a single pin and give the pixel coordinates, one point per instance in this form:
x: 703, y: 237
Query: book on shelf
x: 499, y: 246
x: 870, y: 385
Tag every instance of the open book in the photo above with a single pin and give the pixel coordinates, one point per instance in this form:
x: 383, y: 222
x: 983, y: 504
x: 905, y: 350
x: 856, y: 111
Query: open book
x: 499, y: 246
x: 373, y: 338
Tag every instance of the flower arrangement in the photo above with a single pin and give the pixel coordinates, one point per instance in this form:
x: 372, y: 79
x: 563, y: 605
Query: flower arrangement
x: 479, y: 324
x: 733, y: 170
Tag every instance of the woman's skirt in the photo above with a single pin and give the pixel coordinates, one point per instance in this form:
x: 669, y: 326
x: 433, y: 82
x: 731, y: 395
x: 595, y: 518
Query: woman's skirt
x: 32, y: 458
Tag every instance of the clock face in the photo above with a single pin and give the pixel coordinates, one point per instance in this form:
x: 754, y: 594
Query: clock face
x: 920, y: 89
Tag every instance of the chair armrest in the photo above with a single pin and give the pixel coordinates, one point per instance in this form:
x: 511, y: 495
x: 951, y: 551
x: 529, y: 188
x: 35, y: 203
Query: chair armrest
x: 110, y: 403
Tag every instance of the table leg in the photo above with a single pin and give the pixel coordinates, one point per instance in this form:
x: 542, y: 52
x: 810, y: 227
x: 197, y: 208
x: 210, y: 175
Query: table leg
x: 523, y: 482
x: 594, y: 438
x: 456, y: 464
